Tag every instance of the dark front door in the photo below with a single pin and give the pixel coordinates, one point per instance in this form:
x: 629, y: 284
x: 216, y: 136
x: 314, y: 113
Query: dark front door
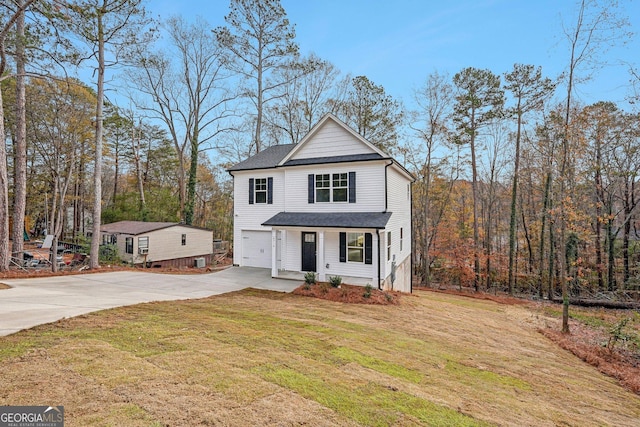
x: 308, y: 251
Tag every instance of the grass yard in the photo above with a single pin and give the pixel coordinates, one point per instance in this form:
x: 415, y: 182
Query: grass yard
x: 264, y: 358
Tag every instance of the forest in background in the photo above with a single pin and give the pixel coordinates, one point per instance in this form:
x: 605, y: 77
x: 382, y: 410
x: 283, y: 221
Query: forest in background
x: 519, y: 187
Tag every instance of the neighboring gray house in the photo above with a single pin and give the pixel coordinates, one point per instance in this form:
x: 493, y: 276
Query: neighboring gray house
x: 333, y: 204
x: 159, y: 243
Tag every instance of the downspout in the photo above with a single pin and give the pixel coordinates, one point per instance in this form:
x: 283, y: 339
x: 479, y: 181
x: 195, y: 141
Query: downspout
x: 386, y: 196
x: 386, y: 203
x: 378, y: 234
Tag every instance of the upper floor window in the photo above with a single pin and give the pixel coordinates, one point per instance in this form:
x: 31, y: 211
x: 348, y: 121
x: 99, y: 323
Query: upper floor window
x: 336, y: 187
x: 261, y: 190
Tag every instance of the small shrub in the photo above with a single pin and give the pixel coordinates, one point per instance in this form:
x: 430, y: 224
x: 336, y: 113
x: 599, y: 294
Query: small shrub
x: 619, y: 333
x: 310, y: 278
x: 388, y: 296
x: 335, y: 281
x: 367, y: 291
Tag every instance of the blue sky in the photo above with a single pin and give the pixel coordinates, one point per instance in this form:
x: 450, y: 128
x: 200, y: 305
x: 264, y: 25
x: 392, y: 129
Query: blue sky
x: 398, y: 43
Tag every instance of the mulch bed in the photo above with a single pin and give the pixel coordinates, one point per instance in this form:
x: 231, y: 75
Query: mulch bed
x: 348, y: 294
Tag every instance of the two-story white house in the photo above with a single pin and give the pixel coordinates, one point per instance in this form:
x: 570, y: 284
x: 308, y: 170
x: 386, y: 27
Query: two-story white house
x: 332, y: 204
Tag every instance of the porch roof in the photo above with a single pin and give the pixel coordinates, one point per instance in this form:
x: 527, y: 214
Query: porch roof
x: 377, y: 220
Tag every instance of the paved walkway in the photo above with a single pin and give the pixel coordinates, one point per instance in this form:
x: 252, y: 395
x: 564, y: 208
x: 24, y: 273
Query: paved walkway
x: 32, y: 302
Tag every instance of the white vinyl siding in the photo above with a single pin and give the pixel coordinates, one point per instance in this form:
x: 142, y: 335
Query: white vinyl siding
x: 401, y: 218
x: 332, y: 140
x: 250, y: 217
x: 369, y: 187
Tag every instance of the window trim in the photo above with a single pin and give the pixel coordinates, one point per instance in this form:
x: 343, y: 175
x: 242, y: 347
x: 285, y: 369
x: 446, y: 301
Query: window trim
x: 360, y: 238
x: 325, y: 183
x: 260, y: 186
x: 128, y: 245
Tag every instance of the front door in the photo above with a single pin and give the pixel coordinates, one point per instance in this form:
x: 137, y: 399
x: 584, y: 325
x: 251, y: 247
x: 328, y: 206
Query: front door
x: 308, y: 251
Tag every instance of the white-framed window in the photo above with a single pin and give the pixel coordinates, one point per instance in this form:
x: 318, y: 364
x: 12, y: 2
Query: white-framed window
x: 388, y: 246
x: 340, y: 187
x: 355, y: 247
x: 332, y: 187
x: 323, y: 188
x: 143, y: 242
x: 128, y: 245
x: 260, y: 190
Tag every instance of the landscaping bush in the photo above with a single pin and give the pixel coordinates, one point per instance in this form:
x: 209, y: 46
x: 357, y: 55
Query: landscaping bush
x: 310, y: 278
x: 335, y: 281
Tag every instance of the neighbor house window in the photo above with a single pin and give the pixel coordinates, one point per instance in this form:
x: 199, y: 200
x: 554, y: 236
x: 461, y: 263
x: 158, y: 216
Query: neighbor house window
x: 388, y: 246
x: 332, y: 187
x: 128, y: 245
x: 184, y: 240
x: 355, y: 247
x: 143, y: 242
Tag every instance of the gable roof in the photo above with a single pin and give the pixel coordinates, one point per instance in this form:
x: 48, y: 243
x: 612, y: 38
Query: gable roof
x: 333, y: 219
x: 269, y: 158
x: 282, y: 155
x: 319, y: 126
x: 139, y: 227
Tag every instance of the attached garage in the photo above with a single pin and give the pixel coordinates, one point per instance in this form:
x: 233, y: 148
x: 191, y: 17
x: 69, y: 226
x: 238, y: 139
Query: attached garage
x: 256, y: 248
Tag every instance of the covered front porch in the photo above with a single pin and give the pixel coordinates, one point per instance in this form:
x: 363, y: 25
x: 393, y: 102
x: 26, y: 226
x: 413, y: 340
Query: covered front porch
x: 333, y: 244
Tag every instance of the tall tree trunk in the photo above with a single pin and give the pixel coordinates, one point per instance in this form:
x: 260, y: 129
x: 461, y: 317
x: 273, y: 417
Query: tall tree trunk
x: 20, y: 150
x: 545, y: 215
x: 94, y: 261
x: 191, y: 186
x: 476, y: 234
x: 4, y: 196
x: 514, y: 198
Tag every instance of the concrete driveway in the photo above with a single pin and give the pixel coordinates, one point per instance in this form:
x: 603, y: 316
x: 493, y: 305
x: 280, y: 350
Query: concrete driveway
x: 32, y: 302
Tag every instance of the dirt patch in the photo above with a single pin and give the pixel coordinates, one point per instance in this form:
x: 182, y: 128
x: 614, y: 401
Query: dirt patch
x: 348, y: 294
x: 4, y: 286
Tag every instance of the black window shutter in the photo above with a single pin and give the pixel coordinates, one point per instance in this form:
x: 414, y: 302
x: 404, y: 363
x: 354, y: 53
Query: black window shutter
x: 250, y: 191
x: 343, y: 247
x: 368, y: 248
x: 352, y: 187
x: 270, y: 190
x: 311, y: 188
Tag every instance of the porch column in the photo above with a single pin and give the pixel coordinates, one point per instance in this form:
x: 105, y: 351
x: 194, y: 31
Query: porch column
x: 274, y: 252
x: 320, y: 257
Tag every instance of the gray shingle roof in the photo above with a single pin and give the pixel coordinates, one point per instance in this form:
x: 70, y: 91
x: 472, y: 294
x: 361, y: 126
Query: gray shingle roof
x: 134, y: 227
x: 265, y: 159
x: 333, y: 219
x: 334, y: 159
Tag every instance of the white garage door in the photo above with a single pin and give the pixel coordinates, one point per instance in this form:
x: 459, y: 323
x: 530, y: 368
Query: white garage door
x: 256, y: 249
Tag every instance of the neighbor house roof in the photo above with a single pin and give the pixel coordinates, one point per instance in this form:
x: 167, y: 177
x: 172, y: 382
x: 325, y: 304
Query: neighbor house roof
x: 333, y: 219
x: 135, y: 227
x: 268, y: 158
